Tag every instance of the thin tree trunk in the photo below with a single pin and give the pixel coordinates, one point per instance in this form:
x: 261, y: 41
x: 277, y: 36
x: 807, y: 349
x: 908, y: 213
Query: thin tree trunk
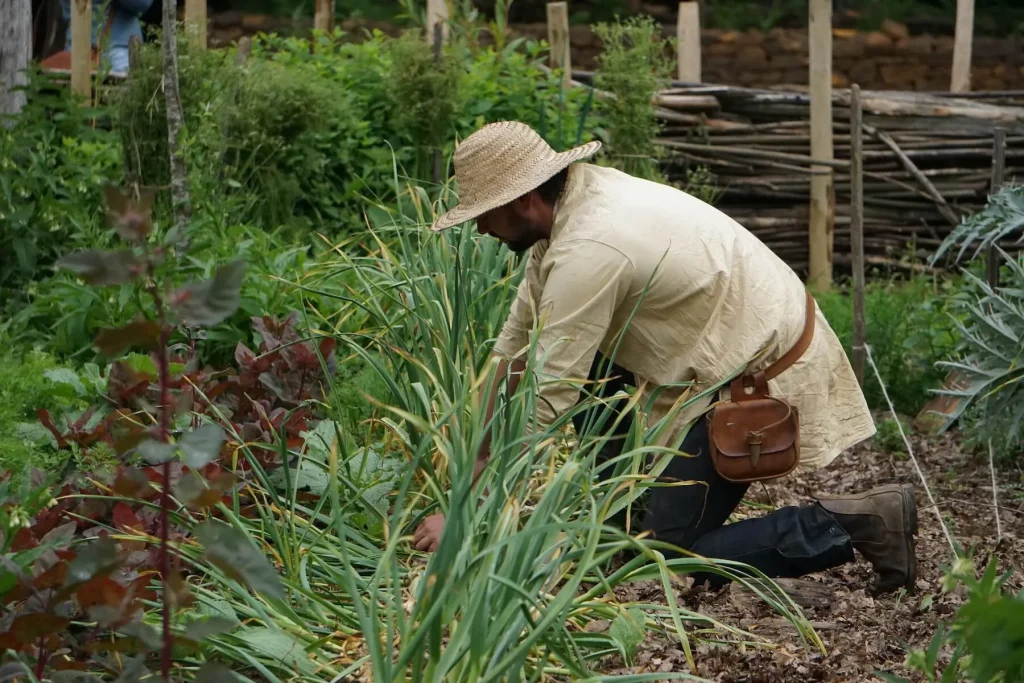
x: 179, y: 174
x: 15, y: 53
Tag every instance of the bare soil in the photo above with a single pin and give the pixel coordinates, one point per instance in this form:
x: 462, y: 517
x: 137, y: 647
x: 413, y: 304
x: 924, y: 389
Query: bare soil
x: 862, y: 634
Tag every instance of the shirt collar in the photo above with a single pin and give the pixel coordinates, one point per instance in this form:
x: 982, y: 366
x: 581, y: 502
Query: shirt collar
x: 564, y: 203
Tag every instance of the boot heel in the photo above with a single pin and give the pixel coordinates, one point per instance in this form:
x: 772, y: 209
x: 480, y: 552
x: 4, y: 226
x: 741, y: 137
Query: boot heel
x: 910, y: 508
x: 910, y: 514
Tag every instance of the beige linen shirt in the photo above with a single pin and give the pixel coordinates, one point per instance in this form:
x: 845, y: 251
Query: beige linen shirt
x: 716, y: 298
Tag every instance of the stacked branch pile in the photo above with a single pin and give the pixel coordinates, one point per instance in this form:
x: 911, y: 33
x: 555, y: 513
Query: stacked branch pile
x: 927, y: 162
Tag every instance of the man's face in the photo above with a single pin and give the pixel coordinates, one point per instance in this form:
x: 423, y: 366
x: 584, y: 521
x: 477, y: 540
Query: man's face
x: 519, y: 225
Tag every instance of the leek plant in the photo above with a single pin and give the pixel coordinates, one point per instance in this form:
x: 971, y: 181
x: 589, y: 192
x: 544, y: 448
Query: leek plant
x: 527, y: 560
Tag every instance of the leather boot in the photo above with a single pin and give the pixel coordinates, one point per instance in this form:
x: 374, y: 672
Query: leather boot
x: 882, y: 524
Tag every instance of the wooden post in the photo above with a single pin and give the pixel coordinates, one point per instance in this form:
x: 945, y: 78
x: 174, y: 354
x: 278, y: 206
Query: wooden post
x: 688, y: 35
x: 437, y: 15
x: 558, y: 39
x: 195, y: 22
x: 81, y: 47
x: 15, y: 56
x: 998, y: 171
x: 823, y: 202
x: 857, y: 229
x: 134, y: 53
x: 962, y: 46
x: 244, y: 49
x: 324, y: 17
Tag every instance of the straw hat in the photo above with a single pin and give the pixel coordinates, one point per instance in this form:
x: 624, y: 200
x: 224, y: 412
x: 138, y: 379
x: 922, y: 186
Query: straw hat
x: 502, y: 162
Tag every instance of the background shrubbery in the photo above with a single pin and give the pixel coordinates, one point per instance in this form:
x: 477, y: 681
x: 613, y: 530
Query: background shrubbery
x: 910, y: 328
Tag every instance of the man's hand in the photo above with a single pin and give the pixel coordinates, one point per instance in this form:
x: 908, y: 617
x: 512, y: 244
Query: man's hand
x: 428, y: 534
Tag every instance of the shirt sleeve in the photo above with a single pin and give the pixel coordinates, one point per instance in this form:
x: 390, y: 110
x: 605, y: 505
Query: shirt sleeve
x: 584, y: 283
x: 515, y: 334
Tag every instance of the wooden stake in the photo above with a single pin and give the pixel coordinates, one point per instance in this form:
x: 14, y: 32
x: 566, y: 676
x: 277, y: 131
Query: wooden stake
x: 823, y: 202
x: 15, y: 56
x: 688, y: 35
x: 324, y: 17
x: 244, y: 49
x: 558, y: 39
x: 857, y: 229
x: 998, y: 172
x: 962, y: 46
x: 195, y: 22
x: 81, y: 47
x: 134, y: 53
x: 437, y: 14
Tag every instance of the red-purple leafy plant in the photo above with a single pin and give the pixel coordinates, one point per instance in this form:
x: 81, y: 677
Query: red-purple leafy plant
x: 106, y: 580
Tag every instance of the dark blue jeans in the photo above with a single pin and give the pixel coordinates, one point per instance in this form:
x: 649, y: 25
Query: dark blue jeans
x: 789, y: 542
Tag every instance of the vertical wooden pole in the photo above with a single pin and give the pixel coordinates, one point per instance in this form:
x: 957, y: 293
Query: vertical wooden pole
x: 857, y: 229
x: 963, y: 46
x: 998, y: 173
x: 81, y: 47
x: 437, y: 15
x: 195, y: 22
x: 244, y: 49
x: 15, y: 56
x: 823, y: 202
x: 558, y: 39
x: 688, y: 35
x: 324, y: 17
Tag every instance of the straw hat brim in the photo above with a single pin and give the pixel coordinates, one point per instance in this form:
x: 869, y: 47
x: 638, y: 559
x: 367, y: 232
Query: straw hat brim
x: 523, y: 183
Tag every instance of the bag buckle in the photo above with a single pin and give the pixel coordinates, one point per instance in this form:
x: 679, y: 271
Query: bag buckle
x: 754, y: 440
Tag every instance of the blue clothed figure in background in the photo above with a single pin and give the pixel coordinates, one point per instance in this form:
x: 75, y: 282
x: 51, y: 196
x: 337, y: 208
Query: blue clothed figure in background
x: 123, y: 17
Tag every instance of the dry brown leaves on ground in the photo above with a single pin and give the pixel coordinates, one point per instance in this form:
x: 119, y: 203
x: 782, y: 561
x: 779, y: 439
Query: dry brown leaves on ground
x: 862, y: 634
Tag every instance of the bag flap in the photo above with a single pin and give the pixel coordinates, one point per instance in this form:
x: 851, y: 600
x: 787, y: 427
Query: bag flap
x: 731, y: 423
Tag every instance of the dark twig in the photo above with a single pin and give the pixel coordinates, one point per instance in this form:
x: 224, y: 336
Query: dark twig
x: 172, y: 96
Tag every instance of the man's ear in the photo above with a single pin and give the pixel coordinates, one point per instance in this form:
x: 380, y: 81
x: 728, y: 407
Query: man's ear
x: 521, y: 205
x: 529, y: 202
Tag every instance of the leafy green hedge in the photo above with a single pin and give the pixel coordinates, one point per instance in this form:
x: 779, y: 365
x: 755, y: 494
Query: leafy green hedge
x: 909, y: 328
x: 299, y: 140
x: 299, y: 137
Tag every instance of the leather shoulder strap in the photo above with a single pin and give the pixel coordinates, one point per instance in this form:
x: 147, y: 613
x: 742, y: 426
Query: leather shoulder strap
x: 793, y: 355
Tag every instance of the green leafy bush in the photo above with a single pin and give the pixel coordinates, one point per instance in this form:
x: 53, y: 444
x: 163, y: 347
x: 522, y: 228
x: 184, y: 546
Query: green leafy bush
x: 300, y: 136
x: 36, y: 382
x: 989, y: 355
x: 909, y: 330
x: 633, y: 66
x: 424, y: 96
x: 991, y: 324
x: 296, y: 139
x: 53, y: 159
x: 277, y: 140
x: 986, y: 635
x: 888, y: 437
x: 510, y: 85
x: 63, y: 315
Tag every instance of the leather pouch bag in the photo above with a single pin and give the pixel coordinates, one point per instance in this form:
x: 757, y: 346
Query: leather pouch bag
x: 755, y: 436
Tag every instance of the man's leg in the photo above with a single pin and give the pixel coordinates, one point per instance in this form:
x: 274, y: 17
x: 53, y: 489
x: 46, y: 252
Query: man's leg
x: 789, y: 542
x: 590, y: 420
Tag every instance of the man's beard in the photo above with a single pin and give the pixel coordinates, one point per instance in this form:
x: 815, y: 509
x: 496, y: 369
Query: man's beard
x: 532, y: 234
x: 520, y: 246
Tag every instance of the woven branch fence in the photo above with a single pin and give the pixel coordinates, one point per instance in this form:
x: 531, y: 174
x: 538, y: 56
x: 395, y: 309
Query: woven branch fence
x: 927, y: 162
